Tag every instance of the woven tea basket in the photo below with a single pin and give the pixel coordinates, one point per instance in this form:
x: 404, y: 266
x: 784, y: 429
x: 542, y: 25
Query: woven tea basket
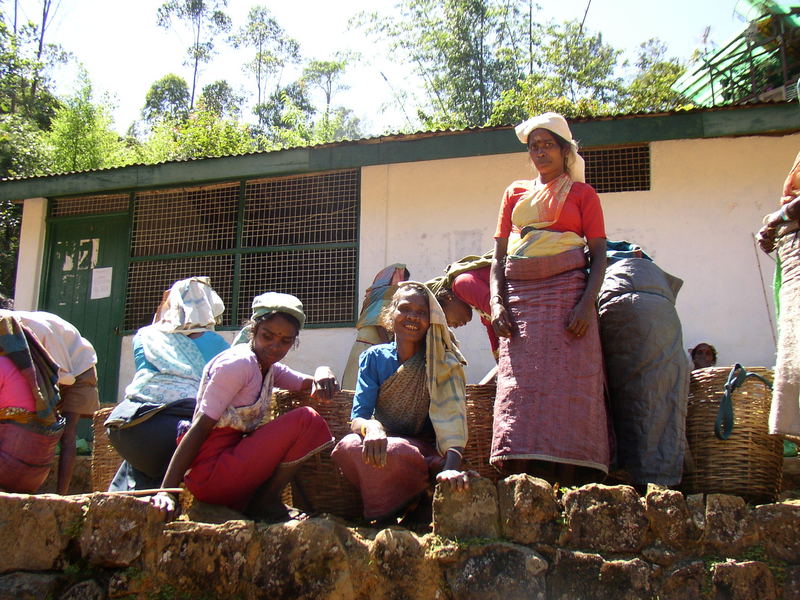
x: 319, y: 485
x: 105, y: 459
x: 480, y: 409
x: 749, y: 463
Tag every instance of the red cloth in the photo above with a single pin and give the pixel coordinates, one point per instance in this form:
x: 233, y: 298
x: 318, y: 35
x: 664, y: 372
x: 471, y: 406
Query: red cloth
x: 385, y: 491
x: 550, y: 404
x: 472, y: 287
x: 25, y: 458
x: 581, y: 214
x: 231, y: 466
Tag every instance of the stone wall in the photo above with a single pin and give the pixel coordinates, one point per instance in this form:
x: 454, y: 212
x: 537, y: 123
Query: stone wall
x: 516, y: 539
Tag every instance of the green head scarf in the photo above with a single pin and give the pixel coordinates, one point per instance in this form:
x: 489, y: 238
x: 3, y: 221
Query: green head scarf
x: 275, y: 302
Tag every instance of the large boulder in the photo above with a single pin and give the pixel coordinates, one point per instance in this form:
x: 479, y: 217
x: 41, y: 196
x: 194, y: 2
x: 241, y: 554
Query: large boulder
x: 404, y: 571
x: 606, y: 518
x: 30, y: 586
x: 779, y: 529
x: 468, y: 513
x: 743, y: 581
x: 575, y: 576
x: 670, y: 519
x: 684, y: 583
x: 791, y: 583
x: 529, y: 511
x: 497, y: 571
x: 35, y: 530
x: 305, y: 559
x: 729, y: 528
x: 117, y: 529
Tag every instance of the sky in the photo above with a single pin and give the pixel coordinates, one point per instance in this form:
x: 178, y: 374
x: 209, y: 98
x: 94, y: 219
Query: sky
x: 124, y: 51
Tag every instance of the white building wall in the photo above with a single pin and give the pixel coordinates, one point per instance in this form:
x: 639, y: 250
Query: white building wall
x: 697, y: 221
x: 30, y: 260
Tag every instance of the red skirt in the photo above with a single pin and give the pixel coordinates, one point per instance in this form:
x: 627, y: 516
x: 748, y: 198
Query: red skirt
x: 232, y: 465
x: 25, y: 458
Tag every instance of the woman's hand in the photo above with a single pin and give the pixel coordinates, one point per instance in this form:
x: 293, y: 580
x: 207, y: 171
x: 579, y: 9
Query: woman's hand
x: 580, y: 317
x: 324, y: 385
x: 167, y: 503
x: 766, y: 238
x: 455, y: 480
x: 502, y: 322
x: 374, y: 444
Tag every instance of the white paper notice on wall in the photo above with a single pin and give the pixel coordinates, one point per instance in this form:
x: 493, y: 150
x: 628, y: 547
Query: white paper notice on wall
x: 101, y: 283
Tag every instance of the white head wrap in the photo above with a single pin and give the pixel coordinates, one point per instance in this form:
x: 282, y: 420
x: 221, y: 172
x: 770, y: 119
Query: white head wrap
x: 192, y: 305
x: 555, y: 123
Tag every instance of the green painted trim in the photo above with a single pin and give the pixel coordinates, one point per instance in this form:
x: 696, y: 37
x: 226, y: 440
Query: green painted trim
x: 777, y: 118
x: 245, y: 250
x: 87, y: 217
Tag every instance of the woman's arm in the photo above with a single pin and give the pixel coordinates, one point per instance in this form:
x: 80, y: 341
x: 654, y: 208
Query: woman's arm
x: 502, y: 322
x: 581, y: 315
x: 451, y: 474
x: 766, y: 235
x: 184, y: 455
x: 322, y: 383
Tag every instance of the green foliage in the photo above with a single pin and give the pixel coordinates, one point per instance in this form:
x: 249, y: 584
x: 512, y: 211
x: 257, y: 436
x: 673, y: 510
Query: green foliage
x: 81, y: 136
x: 272, y: 48
x: 221, y: 99
x: 205, y: 19
x: 651, y: 88
x: 167, y: 98
x: 202, y: 134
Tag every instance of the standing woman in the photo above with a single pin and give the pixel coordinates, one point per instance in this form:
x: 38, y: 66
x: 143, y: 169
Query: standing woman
x: 550, y: 416
x: 169, y: 355
x: 233, y: 454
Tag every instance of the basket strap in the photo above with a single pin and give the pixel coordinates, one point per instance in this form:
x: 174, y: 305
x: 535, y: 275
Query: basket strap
x: 723, y: 427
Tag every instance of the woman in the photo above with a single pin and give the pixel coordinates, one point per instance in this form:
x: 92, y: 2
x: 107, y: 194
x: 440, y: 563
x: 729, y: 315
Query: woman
x: 170, y: 355
x: 464, y: 287
x: 703, y: 355
x: 232, y: 455
x: 409, y: 410
x: 780, y: 232
x: 30, y: 425
x: 549, y: 417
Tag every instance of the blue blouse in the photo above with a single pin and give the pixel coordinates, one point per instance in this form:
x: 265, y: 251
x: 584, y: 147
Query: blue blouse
x: 375, y: 365
x: 210, y: 344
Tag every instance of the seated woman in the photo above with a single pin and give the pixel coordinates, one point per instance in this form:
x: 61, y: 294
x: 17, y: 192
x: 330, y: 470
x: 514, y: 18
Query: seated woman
x: 30, y: 425
x: 232, y: 454
x: 170, y: 355
x: 409, y: 411
x: 550, y: 415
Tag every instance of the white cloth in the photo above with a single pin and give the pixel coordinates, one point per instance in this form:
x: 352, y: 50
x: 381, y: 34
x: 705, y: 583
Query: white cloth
x: 73, y: 353
x: 555, y: 123
x: 192, y: 305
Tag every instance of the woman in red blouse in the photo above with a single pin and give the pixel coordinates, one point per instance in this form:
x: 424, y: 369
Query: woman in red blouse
x: 549, y: 416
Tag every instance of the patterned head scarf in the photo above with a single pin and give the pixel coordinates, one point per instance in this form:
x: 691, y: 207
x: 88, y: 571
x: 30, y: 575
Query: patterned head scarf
x: 555, y: 123
x: 444, y: 366
x: 191, y: 305
x: 275, y: 302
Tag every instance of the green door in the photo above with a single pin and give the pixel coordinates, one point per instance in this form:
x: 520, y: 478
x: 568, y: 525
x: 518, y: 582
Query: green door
x: 85, y: 284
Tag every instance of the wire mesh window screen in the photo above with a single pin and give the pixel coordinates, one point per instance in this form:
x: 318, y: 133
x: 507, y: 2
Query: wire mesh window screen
x: 309, y: 209
x: 621, y: 169
x: 196, y: 219
x: 324, y: 280
x: 147, y: 280
x: 88, y: 205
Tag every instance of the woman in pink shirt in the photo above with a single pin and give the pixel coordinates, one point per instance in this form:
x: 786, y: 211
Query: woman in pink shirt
x: 232, y: 454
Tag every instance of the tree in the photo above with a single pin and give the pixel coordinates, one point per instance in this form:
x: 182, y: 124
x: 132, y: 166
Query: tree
x: 651, y: 87
x: 285, y: 108
x: 467, y: 52
x: 167, y: 98
x: 221, y: 99
x: 206, y: 20
x: 81, y: 137
x: 325, y: 75
x: 273, y: 48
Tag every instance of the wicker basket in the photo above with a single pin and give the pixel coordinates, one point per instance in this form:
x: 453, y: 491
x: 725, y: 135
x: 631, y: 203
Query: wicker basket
x: 480, y: 407
x: 749, y: 463
x: 105, y: 460
x: 319, y: 485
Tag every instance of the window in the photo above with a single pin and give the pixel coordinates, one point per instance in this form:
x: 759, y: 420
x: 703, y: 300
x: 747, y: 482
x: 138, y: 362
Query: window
x: 294, y: 234
x: 618, y: 169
